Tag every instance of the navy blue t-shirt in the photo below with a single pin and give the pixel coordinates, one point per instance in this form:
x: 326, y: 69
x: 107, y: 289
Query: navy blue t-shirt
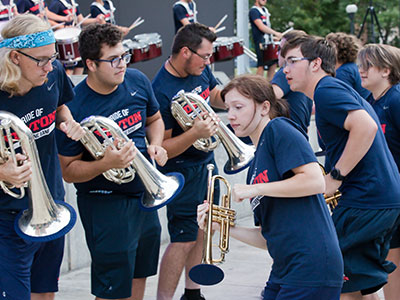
x: 58, y: 8
x: 38, y: 111
x: 300, y: 234
x: 180, y: 12
x: 166, y: 87
x: 128, y: 106
x: 374, y: 183
x: 349, y: 73
x: 28, y: 5
x: 5, y: 14
x: 254, y: 14
x: 95, y: 11
x: 388, y: 110
x: 299, y: 104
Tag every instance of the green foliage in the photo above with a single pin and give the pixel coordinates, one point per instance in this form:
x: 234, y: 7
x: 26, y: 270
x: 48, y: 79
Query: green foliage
x: 320, y: 17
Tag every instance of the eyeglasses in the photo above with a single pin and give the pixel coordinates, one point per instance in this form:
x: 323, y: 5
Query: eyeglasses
x: 115, y: 62
x: 40, y: 62
x: 291, y: 60
x: 204, y: 57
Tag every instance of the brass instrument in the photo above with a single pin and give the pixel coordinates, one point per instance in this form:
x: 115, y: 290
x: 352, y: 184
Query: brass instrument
x: 44, y: 220
x: 333, y: 200
x: 159, y: 189
x: 186, y: 107
x: 207, y: 273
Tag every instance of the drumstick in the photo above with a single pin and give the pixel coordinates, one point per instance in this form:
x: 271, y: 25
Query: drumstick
x: 135, y: 25
x: 287, y: 30
x: 57, y: 25
x: 220, y: 29
x: 137, y: 20
x: 83, y: 20
x: 221, y: 21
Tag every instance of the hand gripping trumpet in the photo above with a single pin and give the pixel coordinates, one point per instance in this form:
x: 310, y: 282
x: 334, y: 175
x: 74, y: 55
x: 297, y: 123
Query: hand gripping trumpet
x: 159, y: 189
x: 207, y: 273
x: 185, y: 107
x: 333, y: 200
x: 45, y: 219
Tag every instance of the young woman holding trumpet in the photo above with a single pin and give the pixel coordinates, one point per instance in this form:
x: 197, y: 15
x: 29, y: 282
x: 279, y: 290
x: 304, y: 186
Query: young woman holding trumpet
x: 284, y: 185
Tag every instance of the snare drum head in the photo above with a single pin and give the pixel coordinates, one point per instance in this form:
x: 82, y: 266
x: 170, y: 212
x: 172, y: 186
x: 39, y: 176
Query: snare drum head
x: 147, y: 36
x: 67, y: 34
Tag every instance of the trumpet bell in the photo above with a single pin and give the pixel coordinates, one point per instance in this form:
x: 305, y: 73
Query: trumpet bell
x: 63, y: 218
x: 164, y: 192
x: 206, y: 274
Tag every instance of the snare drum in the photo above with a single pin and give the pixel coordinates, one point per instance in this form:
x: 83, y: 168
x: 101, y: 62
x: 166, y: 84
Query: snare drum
x: 154, y: 43
x: 67, y: 44
x: 226, y: 48
x: 270, y: 51
x: 139, y: 50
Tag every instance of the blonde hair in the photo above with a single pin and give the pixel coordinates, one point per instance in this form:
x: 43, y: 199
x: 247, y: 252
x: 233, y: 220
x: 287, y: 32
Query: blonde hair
x: 10, y: 73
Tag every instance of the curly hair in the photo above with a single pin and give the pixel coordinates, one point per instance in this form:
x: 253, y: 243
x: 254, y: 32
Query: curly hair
x: 347, y: 46
x: 94, y: 36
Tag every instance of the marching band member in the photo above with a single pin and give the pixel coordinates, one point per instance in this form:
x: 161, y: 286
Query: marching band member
x: 123, y: 240
x: 185, y: 12
x: 263, y: 34
x: 186, y: 69
x: 35, y: 88
x: 379, y: 67
x: 284, y: 184
x: 107, y: 9
x: 7, y: 11
x: 363, y: 168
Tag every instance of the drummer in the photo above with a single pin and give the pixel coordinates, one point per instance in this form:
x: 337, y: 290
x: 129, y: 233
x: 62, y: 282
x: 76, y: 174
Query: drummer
x: 263, y: 34
x: 185, y: 12
x: 107, y: 9
x: 7, y: 11
x: 71, y: 8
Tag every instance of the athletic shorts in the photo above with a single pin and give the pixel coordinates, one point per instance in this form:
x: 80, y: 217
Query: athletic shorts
x: 364, y: 238
x: 123, y: 240
x: 26, y: 266
x: 395, y: 242
x: 182, y: 211
x: 275, y: 291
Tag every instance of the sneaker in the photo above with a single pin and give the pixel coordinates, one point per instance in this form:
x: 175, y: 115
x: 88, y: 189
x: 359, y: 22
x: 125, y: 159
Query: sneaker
x: 184, y: 297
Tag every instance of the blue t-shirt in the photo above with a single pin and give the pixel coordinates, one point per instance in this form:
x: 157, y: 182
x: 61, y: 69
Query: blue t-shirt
x: 5, y: 13
x: 128, y: 106
x: 374, y: 183
x: 300, y: 234
x: 38, y: 111
x: 180, y: 12
x: 58, y: 8
x: 28, y: 5
x: 95, y: 11
x: 299, y: 104
x: 388, y: 110
x: 166, y: 87
x: 254, y: 14
x: 349, y: 73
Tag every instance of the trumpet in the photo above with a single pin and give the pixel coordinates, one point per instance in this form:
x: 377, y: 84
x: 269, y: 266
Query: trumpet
x: 159, y: 189
x: 331, y: 201
x: 207, y: 273
x: 185, y: 107
x: 44, y: 220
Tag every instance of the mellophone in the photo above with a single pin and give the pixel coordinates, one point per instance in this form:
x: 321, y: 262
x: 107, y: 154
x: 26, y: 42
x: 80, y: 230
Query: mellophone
x: 143, y: 46
x: 207, y: 273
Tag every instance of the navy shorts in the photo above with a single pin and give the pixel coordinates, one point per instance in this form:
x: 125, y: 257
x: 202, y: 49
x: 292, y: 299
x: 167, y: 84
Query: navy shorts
x: 123, y: 240
x: 182, y: 211
x: 25, y: 266
x: 364, y: 238
x: 395, y: 242
x: 275, y: 291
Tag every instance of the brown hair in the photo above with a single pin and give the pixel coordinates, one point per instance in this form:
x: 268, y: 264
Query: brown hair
x: 260, y: 90
x: 347, y: 46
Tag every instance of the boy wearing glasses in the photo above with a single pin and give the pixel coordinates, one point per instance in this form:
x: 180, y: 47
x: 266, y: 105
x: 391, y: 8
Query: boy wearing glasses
x: 123, y: 240
x: 35, y: 88
x: 363, y: 168
x: 186, y: 69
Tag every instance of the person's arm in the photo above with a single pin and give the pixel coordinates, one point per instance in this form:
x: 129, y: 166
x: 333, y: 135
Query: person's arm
x: 99, y: 20
x: 66, y: 123
x: 307, y: 180
x: 215, y: 98
x: 278, y: 91
x: 250, y: 236
x: 362, y: 131
x: 264, y: 28
x: 155, y: 132
x: 54, y: 17
x: 203, y: 127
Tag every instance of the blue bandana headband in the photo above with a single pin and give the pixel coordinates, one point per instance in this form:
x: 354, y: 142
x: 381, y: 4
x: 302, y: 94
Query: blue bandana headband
x: 34, y: 40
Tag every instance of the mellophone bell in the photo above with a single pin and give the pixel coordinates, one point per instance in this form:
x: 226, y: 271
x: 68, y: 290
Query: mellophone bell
x: 207, y: 273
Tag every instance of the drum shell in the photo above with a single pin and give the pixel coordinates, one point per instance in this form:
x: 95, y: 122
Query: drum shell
x: 138, y: 50
x: 226, y: 48
x: 270, y: 51
x: 67, y: 43
x: 154, y: 43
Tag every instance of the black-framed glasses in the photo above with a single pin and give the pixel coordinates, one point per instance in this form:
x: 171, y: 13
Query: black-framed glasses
x: 42, y: 61
x: 115, y: 62
x: 292, y: 60
x: 204, y: 57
